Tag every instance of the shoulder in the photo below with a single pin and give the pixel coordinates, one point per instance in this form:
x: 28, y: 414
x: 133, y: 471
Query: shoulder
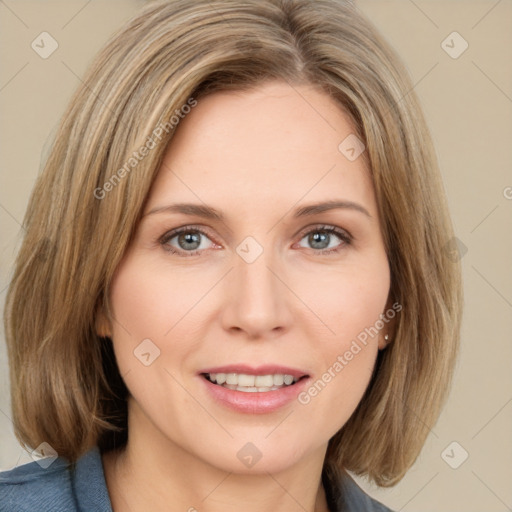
x: 31, y: 486
x: 344, y: 495
x: 357, y: 499
x: 58, y: 487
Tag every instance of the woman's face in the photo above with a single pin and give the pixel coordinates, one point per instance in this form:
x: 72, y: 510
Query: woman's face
x: 266, y: 293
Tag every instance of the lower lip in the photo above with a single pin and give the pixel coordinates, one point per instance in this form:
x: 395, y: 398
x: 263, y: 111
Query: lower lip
x: 254, y: 403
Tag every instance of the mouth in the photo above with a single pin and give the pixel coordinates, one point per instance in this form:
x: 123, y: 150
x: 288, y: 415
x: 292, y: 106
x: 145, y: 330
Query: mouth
x: 253, y: 383
x: 253, y: 390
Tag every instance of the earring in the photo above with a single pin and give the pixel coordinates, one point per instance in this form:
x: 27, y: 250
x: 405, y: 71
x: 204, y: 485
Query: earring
x: 386, y: 337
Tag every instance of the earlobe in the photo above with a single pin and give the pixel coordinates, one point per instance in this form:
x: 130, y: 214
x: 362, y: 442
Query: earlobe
x: 384, y: 341
x: 385, y: 338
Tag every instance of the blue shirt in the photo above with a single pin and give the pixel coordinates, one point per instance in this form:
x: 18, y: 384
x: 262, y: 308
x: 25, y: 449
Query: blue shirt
x: 30, y: 488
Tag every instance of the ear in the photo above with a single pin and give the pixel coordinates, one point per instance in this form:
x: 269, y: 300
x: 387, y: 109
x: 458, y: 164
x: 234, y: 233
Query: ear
x: 102, y: 325
x: 389, y: 316
x: 384, y: 340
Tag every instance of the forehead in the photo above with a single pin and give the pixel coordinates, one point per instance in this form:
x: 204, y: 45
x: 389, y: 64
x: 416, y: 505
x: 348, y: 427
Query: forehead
x: 269, y: 146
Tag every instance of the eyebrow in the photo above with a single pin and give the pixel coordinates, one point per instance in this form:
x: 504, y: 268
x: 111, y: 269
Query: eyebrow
x: 209, y: 212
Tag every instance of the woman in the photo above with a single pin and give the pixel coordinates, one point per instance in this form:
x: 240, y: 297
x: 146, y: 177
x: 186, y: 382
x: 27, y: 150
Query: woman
x: 233, y: 287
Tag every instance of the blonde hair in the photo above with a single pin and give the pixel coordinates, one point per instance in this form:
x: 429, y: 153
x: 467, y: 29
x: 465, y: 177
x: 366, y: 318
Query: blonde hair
x: 65, y: 384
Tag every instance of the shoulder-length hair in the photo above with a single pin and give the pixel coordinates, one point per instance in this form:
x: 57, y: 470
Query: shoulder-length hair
x: 86, y: 204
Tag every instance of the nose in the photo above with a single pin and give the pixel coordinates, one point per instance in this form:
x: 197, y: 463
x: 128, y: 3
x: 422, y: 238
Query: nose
x: 257, y: 298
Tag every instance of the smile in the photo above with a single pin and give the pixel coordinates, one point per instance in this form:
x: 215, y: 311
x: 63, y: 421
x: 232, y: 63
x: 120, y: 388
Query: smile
x: 251, y: 383
x: 253, y: 390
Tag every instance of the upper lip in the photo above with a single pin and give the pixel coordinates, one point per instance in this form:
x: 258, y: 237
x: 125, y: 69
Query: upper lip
x: 257, y: 370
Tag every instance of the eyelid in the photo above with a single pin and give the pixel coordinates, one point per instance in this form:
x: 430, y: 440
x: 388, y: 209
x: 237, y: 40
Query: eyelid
x: 171, y: 233
x: 326, y: 227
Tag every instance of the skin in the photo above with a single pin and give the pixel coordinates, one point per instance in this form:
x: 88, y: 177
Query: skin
x: 256, y: 156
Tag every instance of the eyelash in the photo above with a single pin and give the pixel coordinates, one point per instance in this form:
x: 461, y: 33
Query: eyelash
x: 342, y: 234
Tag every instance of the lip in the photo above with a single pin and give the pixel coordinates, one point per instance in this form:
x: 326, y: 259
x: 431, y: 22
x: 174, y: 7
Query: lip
x: 259, y: 402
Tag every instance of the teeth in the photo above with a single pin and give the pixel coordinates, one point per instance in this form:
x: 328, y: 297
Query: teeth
x: 247, y: 380
x: 247, y: 389
x: 252, y: 383
x: 264, y: 381
x: 288, y: 379
x: 255, y: 389
x: 278, y: 380
x: 231, y: 378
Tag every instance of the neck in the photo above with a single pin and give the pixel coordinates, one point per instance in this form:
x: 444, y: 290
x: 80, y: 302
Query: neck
x: 153, y: 473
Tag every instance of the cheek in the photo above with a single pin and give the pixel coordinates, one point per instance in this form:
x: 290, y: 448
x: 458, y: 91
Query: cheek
x: 149, y: 301
x: 347, y: 301
x: 350, y: 303
x: 346, y: 364
x: 146, y: 306
x: 138, y: 299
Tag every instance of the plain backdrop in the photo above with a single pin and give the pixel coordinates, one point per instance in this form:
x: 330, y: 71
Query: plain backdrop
x: 466, y: 463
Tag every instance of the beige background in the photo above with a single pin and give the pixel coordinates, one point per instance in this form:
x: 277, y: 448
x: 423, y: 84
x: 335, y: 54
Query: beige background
x: 468, y: 104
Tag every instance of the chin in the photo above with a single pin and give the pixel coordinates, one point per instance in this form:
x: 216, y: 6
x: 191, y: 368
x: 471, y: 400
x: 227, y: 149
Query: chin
x: 257, y: 454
